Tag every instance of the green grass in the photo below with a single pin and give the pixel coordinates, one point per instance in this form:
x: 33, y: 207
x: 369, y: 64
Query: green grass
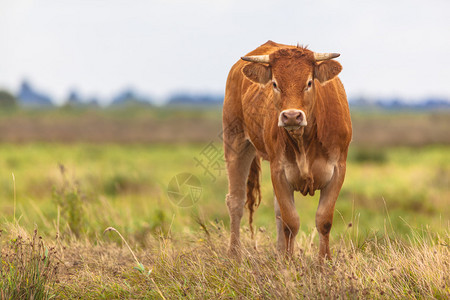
x: 130, y: 183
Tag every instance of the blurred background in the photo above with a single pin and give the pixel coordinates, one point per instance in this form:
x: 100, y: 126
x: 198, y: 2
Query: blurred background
x: 103, y: 103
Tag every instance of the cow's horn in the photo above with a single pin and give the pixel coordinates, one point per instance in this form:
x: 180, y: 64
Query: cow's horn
x: 325, y: 56
x: 257, y: 58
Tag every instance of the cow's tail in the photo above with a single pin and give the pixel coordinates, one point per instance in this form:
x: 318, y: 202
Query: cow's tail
x: 253, y: 190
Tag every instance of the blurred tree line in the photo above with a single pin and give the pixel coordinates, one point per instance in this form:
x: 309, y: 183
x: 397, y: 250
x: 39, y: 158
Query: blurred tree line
x: 7, y: 100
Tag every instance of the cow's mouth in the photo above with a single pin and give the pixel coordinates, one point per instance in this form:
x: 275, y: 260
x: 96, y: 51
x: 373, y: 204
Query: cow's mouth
x: 292, y: 127
x: 295, y: 131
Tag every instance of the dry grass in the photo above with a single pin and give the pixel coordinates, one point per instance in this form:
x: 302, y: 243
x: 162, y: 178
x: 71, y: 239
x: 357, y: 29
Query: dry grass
x: 397, y: 129
x: 102, y: 129
x: 196, y: 266
x: 28, y: 268
x: 149, y: 125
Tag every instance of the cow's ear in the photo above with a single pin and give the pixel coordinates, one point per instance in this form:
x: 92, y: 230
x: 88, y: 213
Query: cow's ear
x: 327, y: 70
x: 258, y: 73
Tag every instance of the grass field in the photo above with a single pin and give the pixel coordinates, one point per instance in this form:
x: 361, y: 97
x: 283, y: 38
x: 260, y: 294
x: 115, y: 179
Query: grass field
x: 130, y: 183
x: 390, y: 235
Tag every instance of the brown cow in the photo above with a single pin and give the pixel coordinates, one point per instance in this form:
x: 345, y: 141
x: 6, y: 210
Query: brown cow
x: 285, y: 104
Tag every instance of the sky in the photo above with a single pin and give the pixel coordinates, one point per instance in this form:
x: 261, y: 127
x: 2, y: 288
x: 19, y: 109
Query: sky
x: 100, y: 47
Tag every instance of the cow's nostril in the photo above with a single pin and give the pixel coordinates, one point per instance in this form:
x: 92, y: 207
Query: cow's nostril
x: 292, y: 117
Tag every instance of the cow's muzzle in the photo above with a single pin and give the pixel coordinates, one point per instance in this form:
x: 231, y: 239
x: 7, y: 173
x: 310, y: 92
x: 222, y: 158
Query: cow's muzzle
x: 292, y: 119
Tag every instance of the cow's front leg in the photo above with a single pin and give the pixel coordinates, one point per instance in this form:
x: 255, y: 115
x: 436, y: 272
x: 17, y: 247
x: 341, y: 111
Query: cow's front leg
x: 325, y: 210
x: 288, y: 222
x: 281, y: 240
x: 238, y: 166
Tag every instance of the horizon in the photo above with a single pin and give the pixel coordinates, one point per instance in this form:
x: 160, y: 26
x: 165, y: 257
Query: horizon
x: 192, y: 98
x: 114, y: 46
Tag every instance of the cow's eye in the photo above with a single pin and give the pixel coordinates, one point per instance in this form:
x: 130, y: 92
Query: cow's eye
x: 274, y: 84
x: 309, y: 83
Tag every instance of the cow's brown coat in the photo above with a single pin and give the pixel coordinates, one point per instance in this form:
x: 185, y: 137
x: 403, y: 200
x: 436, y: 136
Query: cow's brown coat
x: 306, y: 159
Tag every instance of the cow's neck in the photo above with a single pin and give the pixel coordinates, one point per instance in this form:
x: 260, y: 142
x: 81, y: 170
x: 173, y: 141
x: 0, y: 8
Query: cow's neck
x: 302, y: 140
x: 299, y: 141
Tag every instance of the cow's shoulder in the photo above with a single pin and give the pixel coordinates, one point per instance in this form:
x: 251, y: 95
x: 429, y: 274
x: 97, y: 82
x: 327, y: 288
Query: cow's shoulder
x: 334, y: 127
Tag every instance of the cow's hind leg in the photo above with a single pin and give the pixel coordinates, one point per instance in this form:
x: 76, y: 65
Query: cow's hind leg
x: 325, y: 210
x: 239, y: 159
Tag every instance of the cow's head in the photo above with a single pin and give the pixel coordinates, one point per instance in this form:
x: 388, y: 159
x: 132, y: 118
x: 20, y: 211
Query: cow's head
x: 293, y: 74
